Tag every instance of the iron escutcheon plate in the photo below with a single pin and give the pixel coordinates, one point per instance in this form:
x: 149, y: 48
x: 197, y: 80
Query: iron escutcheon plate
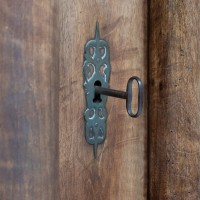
x: 96, y: 70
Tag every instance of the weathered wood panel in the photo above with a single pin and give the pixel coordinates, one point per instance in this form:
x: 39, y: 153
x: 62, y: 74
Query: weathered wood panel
x: 120, y: 169
x: 28, y: 99
x: 174, y: 115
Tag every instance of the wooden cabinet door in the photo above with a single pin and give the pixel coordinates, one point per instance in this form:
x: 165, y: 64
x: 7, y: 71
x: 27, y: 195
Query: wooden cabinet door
x: 174, y: 96
x: 119, y: 172
x: 43, y: 152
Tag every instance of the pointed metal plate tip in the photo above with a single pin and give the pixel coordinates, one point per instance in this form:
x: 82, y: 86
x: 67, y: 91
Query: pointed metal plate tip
x: 97, y: 34
x: 95, y: 150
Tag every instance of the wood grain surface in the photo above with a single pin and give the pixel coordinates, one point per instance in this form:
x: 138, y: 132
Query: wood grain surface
x: 43, y: 152
x: 174, y: 111
x: 28, y: 100
x: 119, y: 172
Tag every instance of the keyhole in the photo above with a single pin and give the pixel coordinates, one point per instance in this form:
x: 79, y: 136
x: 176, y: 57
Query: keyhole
x: 97, y: 97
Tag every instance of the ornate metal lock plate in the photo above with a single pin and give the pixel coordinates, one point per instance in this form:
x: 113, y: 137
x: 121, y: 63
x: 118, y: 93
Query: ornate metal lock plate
x: 96, y: 70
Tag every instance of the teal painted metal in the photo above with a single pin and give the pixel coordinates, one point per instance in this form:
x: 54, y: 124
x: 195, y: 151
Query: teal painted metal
x: 96, y: 70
